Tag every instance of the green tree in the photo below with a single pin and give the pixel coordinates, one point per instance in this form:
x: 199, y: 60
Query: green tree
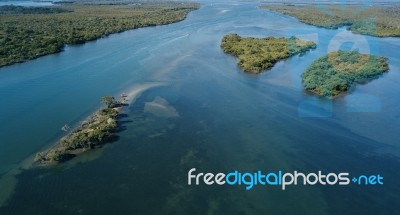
x: 109, y: 101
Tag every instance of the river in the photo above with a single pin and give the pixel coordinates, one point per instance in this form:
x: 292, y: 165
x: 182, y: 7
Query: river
x: 214, y: 118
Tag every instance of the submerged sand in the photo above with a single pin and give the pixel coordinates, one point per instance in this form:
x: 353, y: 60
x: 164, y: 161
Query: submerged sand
x: 8, y: 181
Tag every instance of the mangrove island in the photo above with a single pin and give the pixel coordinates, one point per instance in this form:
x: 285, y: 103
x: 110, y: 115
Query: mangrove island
x: 335, y: 73
x: 98, y: 129
x: 258, y: 54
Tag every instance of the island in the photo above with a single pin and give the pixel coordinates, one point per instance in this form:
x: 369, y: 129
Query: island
x: 258, y: 54
x: 27, y: 33
x: 94, y: 132
x: 378, y: 20
x: 334, y: 74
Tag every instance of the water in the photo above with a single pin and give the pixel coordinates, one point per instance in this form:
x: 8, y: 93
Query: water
x: 225, y: 120
x: 26, y: 3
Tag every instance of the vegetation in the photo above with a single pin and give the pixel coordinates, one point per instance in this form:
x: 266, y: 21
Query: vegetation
x: 109, y: 101
x: 30, y: 32
x: 98, y: 129
x: 11, y: 9
x: 381, y: 21
x: 258, y: 54
x: 338, y: 71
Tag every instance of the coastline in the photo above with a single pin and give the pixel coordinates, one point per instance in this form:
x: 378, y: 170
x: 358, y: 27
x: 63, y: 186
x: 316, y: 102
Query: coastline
x: 60, y: 152
x: 123, y: 18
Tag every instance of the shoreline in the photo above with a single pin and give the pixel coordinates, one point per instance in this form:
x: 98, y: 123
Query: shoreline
x: 301, y: 12
x: 164, y: 14
x: 104, y: 121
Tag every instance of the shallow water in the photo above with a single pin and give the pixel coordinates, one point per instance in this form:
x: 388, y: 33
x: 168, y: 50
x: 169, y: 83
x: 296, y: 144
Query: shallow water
x: 219, y: 119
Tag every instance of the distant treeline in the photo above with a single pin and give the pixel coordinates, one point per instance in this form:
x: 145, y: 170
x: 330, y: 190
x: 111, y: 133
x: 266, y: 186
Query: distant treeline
x: 11, y: 9
x: 381, y: 21
x: 115, y: 2
x: 31, y: 33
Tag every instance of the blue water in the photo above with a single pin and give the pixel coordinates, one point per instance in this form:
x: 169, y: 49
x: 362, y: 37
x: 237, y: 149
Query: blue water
x: 228, y: 120
x: 26, y: 3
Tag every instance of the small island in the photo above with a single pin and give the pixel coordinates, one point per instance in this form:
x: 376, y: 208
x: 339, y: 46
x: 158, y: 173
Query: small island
x: 258, y: 54
x: 335, y: 73
x: 97, y: 130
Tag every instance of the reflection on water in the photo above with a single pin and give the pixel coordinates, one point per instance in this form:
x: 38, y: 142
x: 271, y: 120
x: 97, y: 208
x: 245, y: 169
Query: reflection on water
x: 227, y: 121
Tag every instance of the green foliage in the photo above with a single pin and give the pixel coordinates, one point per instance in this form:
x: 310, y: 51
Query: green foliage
x: 40, y: 156
x: 11, y: 9
x: 258, y: 54
x: 54, y: 155
x: 109, y: 101
x: 109, y: 112
x: 28, y: 36
x: 99, y: 128
x: 378, y: 21
x: 338, y: 71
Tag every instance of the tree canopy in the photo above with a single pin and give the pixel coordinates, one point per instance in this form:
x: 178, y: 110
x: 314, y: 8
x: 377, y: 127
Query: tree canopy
x: 28, y: 33
x: 381, y: 21
x: 258, y: 54
x: 336, y: 72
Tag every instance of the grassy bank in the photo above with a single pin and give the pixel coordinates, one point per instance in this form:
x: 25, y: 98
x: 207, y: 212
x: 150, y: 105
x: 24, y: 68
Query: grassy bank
x: 335, y: 73
x: 380, y: 21
x: 258, y: 54
x: 28, y: 33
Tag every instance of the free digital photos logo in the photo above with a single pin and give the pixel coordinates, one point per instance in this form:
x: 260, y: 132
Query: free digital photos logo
x: 281, y: 179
